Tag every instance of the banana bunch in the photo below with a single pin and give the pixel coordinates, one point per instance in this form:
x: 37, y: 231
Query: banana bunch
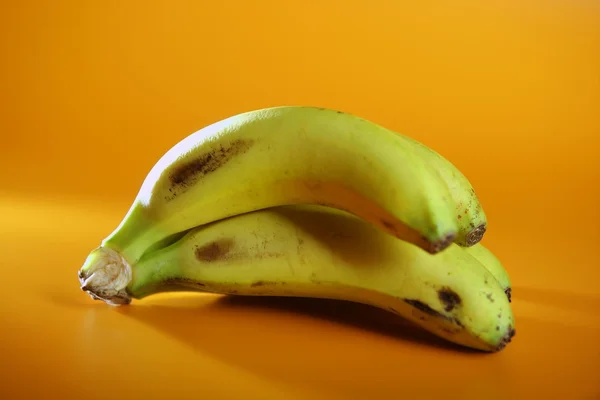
x: 311, y: 202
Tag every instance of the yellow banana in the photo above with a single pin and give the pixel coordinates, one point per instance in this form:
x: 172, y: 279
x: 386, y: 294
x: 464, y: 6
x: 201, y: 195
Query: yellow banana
x: 320, y: 252
x: 492, y: 264
x: 285, y: 156
x: 472, y: 221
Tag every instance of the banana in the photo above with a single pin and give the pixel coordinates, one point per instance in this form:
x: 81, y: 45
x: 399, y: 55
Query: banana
x: 322, y: 252
x: 492, y: 264
x: 286, y: 156
x: 472, y: 220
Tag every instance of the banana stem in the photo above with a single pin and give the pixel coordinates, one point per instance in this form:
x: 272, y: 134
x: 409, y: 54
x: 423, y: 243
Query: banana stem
x: 105, y: 275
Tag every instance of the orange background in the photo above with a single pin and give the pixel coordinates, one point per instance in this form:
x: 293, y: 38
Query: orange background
x: 93, y: 93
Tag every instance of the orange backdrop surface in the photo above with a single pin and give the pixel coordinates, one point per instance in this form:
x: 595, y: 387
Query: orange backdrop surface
x: 92, y: 93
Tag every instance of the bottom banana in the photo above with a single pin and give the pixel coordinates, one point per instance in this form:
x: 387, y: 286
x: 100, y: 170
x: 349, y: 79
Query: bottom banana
x: 319, y: 252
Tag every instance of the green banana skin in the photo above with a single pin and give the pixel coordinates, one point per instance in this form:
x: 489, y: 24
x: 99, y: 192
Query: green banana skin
x: 312, y: 251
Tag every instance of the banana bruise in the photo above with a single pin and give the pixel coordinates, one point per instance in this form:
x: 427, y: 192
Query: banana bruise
x: 472, y: 220
x: 492, y: 264
x: 320, y: 252
x: 286, y: 156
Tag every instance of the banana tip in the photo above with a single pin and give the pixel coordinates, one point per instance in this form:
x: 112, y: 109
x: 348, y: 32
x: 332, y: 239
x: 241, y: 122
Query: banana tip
x: 441, y: 244
x: 475, y: 236
x: 105, y: 276
x: 507, y: 338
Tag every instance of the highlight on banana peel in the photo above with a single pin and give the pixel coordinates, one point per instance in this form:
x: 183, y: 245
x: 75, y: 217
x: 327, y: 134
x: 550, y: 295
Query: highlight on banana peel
x: 311, y: 202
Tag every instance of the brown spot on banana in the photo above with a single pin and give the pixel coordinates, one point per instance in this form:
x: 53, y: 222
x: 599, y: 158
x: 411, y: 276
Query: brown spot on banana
x: 430, y: 311
x: 508, y: 292
x: 184, y: 176
x: 419, y: 305
x: 449, y: 298
x: 224, y: 249
x: 183, y: 282
x: 458, y: 322
x: 214, y: 251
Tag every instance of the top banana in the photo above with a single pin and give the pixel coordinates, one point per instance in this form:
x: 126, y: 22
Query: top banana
x: 284, y: 156
x: 472, y: 221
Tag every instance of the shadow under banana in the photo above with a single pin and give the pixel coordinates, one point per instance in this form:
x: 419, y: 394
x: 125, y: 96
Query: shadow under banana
x: 290, y: 339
